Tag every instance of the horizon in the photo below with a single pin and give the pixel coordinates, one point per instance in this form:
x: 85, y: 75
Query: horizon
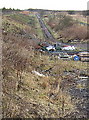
x: 39, y: 9
x: 48, y: 5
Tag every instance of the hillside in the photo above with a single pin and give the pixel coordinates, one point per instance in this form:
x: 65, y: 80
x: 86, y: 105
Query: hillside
x: 35, y: 84
x: 67, y: 27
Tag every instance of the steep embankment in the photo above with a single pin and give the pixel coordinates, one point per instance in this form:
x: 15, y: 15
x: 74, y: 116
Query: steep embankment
x: 34, y: 84
x: 67, y: 28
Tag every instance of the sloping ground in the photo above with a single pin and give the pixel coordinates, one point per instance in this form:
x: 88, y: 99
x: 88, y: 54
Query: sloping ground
x: 27, y: 94
x: 66, y: 28
x: 80, y: 18
x: 23, y: 25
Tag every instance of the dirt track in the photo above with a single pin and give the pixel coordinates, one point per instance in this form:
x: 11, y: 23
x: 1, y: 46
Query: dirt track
x: 45, y: 30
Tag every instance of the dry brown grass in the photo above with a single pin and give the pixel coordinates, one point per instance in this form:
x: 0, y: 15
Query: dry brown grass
x: 28, y: 95
x: 75, y: 32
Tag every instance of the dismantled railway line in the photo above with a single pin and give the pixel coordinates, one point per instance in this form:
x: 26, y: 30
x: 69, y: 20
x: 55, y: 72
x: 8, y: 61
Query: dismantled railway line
x: 46, y: 32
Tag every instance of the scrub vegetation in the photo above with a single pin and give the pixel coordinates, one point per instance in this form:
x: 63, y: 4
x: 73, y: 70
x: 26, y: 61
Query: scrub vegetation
x: 67, y: 27
x: 27, y: 94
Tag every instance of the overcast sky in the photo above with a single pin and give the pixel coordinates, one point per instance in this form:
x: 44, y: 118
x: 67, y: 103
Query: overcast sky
x: 45, y: 4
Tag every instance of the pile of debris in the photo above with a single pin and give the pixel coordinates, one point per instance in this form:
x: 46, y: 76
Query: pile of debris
x: 63, y: 51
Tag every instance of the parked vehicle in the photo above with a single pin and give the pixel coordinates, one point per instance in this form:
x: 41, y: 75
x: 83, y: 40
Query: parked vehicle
x: 68, y: 47
x: 50, y: 48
